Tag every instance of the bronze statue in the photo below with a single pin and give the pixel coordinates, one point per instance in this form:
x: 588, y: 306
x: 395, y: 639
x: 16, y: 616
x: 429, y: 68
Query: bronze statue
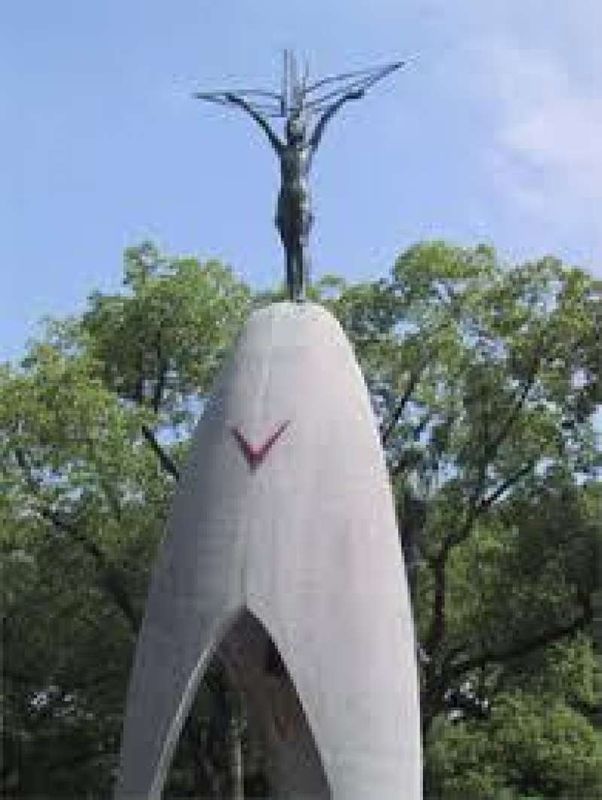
x: 298, y: 103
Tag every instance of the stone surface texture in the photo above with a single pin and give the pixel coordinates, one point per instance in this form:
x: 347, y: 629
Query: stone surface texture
x: 300, y: 550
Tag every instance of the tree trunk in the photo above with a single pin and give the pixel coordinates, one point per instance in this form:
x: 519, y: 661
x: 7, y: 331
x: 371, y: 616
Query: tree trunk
x: 235, y: 758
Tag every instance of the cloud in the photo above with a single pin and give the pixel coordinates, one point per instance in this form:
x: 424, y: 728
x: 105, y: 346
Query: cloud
x: 545, y: 152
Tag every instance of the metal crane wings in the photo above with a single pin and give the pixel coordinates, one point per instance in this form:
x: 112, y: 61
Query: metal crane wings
x: 315, y: 97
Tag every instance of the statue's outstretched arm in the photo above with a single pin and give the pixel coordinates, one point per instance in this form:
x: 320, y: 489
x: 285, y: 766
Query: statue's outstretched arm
x: 261, y: 121
x: 329, y: 114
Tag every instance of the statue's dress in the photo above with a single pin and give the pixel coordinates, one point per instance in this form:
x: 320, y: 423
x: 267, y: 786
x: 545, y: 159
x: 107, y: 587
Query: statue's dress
x: 293, y: 214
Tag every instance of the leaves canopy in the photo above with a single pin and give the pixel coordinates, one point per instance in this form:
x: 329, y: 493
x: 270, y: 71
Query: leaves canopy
x: 485, y: 380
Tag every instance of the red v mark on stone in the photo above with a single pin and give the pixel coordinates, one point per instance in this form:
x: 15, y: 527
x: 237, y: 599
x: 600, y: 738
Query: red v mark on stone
x: 255, y: 455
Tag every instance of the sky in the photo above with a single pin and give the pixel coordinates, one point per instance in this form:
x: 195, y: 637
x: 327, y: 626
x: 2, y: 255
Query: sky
x: 491, y: 133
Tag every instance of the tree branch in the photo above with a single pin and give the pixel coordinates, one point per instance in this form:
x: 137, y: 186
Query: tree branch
x: 439, y: 564
x: 519, y: 402
x: 523, y: 648
x: 476, y: 503
x: 167, y: 463
x: 138, y: 394
x: 488, y: 501
x: 110, y: 494
x: 437, y: 627
x: 110, y: 578
x: 437, y: 630
x: 159, y: 387
x: 413, y: 381
x: 161, y: 376
x: 405, y: 459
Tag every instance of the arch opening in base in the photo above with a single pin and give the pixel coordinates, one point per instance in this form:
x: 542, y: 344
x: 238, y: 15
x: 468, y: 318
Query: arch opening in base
x: 246, y: 734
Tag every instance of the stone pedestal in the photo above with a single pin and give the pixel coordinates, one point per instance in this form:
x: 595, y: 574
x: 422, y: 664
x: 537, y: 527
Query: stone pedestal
x: 282, y: 550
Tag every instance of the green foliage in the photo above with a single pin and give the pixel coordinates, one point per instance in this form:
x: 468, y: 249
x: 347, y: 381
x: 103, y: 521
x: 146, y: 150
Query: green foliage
x: 81, y: 422
x: 530, y: 746
x: 485, y: 379
x: 162, y: 341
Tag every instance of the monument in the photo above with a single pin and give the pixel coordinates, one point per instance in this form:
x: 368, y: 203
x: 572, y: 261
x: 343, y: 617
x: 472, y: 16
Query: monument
x: 306, y: 108
x: 282, y: 553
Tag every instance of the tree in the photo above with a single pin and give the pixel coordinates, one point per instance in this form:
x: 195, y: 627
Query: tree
x: 485, y: 380
x: 93, y: 425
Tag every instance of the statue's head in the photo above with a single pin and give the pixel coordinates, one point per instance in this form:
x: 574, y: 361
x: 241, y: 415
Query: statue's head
x: 295, y: 128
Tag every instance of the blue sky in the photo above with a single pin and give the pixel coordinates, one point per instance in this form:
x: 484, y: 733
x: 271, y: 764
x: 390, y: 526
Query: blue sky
x: 492, y: 133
